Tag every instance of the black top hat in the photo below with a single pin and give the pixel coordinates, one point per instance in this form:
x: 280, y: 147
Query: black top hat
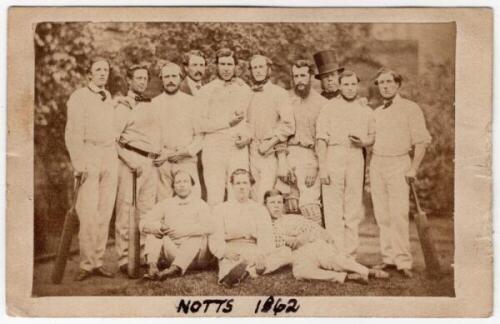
x: 326, y: 61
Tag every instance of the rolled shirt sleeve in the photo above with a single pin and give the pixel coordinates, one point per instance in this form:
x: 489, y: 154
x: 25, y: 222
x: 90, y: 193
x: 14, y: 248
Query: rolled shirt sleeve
x: 286, y: 124
x: 322, y: 125
x: 75, y: 131
x: 418, y: 130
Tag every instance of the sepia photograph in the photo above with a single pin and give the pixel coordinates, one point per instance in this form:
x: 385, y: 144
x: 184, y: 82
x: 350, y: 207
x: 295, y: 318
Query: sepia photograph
x: 206, y: 160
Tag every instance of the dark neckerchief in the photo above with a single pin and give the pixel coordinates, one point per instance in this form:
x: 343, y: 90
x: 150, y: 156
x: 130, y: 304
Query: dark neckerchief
x: 388, y: 102
x: 102, y: 93
x: 330, y: 95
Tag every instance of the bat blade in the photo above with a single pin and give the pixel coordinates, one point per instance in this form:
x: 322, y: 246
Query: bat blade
x: 134, y: 246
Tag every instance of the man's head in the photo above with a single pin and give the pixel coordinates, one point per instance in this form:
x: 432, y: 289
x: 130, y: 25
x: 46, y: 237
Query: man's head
x: 195, y: 64
x: 274, y: 201
x: 330, y: 81
x: 183, y: 184
x: 226, y: 63
x: 137, y: 78
x: 242, y: 182
x: 171, y: 76
x: 260, y: 68
x: 99, y: 71
x: 388, y: 82
x: 302, y: 71
x: 349, y: 84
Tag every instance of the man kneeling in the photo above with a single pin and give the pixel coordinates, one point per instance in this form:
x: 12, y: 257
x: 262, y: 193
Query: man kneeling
x: 180, y: 226
x: 315, y: 256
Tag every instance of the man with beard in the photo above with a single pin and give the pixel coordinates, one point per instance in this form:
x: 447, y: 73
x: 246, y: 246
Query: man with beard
x: 344, y: 127
x: 270, y: 116
x: 224, y: 103
x: 328, y: 73
x: 139, y: 143
x: 90, y: 140
x: 180, y: 141
x: 194, y: 64
x: 302, y: 159
x: 400, y: 126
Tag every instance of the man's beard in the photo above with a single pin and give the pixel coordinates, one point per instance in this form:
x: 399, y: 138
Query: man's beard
x: 304, y: 93
x: 171, y: 92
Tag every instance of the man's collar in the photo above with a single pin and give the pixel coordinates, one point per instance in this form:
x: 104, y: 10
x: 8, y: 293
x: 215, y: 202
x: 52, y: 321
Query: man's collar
x: 183, y: 201
x: 194, y: 85
x: 95, y: 88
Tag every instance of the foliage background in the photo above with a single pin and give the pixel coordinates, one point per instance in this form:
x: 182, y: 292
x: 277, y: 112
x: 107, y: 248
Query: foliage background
x: 62, y: 53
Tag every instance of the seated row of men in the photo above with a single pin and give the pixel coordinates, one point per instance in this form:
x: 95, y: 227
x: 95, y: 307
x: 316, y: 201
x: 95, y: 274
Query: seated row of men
x: 246, y: 238
x: 309, y: 148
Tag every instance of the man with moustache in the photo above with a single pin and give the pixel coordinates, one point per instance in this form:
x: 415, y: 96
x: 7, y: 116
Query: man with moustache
x: 179, y: 226
x: 328, y: 73
x: 224, y: 103
x: 90, y: 140
x: 344, y: 127
x: 306, y: 104
x: 139, y: 144
x: 180, y: 140
x: 400, y: 127
x: 270, y: 116
x: 194, y: 64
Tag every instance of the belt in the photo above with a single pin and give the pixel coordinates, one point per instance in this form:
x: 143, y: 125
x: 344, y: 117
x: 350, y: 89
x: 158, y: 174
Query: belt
x: 242, y: 240
x: 139, y: 151
x: 308, y: 146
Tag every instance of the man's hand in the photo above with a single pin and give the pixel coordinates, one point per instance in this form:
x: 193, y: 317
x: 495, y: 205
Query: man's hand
x: 265, y: 146
x: 324, y: 178
x: 363, y: 101
x: 356, y: 141
x: 237, y: 118
x: 410, y: 175
x: 231, y: 256
x: 260, y: 264
x: 164, y: 155
x: 242, y: 141
x: 82, y: 175
x: 137, y: 170
x: 311, y: 178
x: 179, y: 155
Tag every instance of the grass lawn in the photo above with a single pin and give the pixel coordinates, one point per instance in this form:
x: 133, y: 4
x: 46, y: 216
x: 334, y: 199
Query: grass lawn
x: 281, y: 283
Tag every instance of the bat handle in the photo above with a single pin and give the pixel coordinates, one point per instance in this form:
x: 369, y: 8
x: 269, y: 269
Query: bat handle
x: 414, y: 192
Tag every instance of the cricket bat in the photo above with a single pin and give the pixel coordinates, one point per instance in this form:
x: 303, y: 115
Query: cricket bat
x: 431, y: 256
x: 134, y: 244
x: 69, y: 229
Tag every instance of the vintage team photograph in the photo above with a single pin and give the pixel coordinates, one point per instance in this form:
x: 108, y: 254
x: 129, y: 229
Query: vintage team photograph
x: 244, y: 159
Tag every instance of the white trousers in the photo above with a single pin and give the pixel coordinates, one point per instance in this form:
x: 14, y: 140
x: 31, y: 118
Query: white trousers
x: 166, y: 177
x: 249, y: 252
x: 321, y: 261
x: 186, y: 253
x: 390, y: 195
x: 146, y: 198
x: 342, y: 198
x: 95, y: 202
x: 305, y: 163
x: 219, y: 161
x: 264, y: 169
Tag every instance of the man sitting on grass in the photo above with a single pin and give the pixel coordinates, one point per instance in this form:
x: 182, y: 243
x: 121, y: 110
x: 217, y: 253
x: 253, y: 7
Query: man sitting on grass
x: 315, y: 255
x: 180, y: 226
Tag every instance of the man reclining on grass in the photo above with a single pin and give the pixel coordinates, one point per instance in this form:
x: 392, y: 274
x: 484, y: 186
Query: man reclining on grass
x: 315, y: 256
x: 243, y: 240
x: 180, y: 226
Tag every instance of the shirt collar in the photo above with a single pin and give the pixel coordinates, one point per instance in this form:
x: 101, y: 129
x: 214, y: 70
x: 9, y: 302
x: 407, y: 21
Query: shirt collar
x: 185, y: 201
x: 192, y: 84
x: 94, y: 88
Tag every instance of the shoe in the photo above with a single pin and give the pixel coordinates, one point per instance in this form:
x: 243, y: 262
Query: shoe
x: 82, y: 275
x: 406, y: 273
x: 379, y: 274
x: 152, y: 273
x: 124, y: 268
x: 171, y: 271
x: 357, y: 278
x: 384, y: 266
x: 101, y: 272
x: 235, y: 276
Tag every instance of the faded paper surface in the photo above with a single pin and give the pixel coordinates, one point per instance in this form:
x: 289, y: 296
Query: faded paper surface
x: 472, y: 216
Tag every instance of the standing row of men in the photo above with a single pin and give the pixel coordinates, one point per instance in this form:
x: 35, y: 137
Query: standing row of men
x: 298, y: 139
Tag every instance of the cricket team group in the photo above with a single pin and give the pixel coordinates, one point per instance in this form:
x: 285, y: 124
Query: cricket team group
x: 246, y: 178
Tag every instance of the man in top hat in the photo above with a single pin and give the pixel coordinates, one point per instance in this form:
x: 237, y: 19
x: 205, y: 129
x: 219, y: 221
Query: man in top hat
x: 328, y: 73
x: 180, y: 139
x: 139, y: 145
x: 270, y: 116
x: 344, y: 127
x: 224, y: 103
x: 400, y: 126
x: 306, y: 104
x: 90, y: 140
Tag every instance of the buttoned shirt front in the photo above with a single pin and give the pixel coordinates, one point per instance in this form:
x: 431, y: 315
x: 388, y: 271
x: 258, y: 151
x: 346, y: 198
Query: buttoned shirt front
x: 178, y: 119
x: 270, y: 113
x: 306, y: 111
x: 89, y: 121
x: 339, y: 118
x: 399, y: 127
x: 140, y: 124
x: 219, y: 101
x: 178, y: 215
x: 291, y: 226
x: 242, y: 221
